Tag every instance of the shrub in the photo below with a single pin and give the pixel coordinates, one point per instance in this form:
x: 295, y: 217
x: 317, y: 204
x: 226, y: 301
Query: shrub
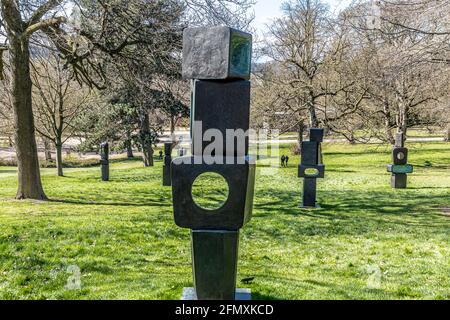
x: 295, y: 149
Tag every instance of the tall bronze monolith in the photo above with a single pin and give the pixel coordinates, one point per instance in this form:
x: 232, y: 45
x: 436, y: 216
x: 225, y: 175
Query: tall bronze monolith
x: 218, y: 61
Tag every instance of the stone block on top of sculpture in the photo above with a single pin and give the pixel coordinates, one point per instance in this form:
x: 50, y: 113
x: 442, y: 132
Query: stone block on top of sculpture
x: 217, y: 53
x: 316, y: 134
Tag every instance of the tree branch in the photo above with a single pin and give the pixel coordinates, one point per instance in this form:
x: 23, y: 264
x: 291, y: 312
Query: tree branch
x: 42, y: 11
x: 55, y: 22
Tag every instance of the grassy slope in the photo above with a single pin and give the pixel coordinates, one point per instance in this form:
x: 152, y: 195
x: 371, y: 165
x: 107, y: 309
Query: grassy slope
x: 122, y: 236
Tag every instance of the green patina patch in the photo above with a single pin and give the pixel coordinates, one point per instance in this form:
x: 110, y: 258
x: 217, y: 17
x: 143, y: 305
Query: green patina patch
x: 240, y: 55
x: 396, y: 168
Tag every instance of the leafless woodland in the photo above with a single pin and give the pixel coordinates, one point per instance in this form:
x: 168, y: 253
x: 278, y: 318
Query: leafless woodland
x: 97, y: 70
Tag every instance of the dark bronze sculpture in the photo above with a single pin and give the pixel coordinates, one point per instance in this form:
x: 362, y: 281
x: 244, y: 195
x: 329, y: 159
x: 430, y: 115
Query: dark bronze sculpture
x: 210, y: 55
x: 167, y: 163
x: 311, y: 167
x: 400, y: 167
x: 104, y: 161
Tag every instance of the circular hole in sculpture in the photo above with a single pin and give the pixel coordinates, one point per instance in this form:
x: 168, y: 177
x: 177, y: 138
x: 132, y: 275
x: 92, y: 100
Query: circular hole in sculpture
x: 210, y: 191
x: 400, y: 156
x: 311, y: 172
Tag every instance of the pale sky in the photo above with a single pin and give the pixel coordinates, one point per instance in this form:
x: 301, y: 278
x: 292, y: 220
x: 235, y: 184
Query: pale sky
x: 266, y: 10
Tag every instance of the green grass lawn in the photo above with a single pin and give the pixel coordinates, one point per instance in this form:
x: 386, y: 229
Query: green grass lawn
x: 367, y: 241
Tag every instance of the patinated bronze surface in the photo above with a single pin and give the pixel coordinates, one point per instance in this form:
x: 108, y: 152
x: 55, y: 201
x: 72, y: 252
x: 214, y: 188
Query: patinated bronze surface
x: 104, y: 161
x: 400, y: 166
x: 216, y: 53
x: 311, y: 158
x: 167, y: 163
x: 218, y: 59
x: 232, y: 215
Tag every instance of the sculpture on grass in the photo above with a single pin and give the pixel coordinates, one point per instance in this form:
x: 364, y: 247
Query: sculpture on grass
x: 167, y: 163
x: 311, y: 167
x: 218, y: 61
x: 400, y: 167
x: 104, y: 161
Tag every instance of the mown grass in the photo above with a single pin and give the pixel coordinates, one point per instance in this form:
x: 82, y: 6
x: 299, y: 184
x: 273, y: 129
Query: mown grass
x: 367, y: 241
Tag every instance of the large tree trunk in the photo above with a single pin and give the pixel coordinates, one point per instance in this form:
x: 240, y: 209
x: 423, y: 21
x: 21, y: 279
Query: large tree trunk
x: 148, y: 156
x: 130, y: 154
x: 313, y: 121
x: 403, y: 119
x: 172, y: 125
x: 59, y: 160
x: 30, y: 186
x: 129, y: 145
x: 387, y: 124
x: 146, y: 143
x: 47, y: 151
x: 301, y: 130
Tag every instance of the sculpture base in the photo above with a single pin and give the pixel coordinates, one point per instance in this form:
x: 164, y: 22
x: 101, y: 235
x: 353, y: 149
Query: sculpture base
x: 214, y: 263
x: 399, y: 180
x: 241, y: 294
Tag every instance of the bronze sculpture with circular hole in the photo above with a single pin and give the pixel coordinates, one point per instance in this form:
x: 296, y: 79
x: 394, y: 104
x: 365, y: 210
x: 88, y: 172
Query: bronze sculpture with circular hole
x: 210, y: 191
x: 400, y: 167
x: 213, y: 193
x: 311, y: 167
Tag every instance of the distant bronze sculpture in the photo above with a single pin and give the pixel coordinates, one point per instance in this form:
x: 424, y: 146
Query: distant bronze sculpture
x: 400, y: 167
x: 104, y: 161
x: 167, y: 163
x: 311, y: 167
x: 218, y: 60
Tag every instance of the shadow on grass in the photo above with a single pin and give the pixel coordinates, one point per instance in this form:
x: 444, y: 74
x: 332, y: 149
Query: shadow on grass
x: 433, y: 167
x: 431, y: 188
x: 8, y: 171
x: 111, y: 195
x: 113, y: 203
x: 348, y: 212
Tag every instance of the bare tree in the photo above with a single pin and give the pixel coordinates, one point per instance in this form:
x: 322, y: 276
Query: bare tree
x: 300, y: 45
x: 20, y: 23
x: 308, y: 79
x: 233, y: 13
x: 95, y: 28
x: 403, y: 75
x: 58, y: 100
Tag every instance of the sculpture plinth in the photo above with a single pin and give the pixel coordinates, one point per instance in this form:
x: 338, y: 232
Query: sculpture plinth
x: 311, y: 167
x: 104, y: 161
x: 210, y: 55
x: 400, y: 167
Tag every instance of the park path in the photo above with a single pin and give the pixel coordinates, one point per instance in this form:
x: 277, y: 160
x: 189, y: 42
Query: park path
x: 184, y: 134
x: 9, y: 154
